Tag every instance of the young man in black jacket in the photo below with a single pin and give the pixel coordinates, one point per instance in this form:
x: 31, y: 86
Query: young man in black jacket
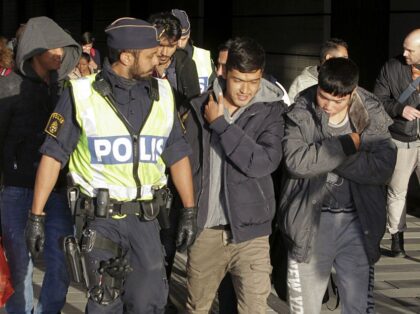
x: 201, y: 57
x: 395, y: 77
x: 235, y: 131
x: 174, y: 64
x: 338, y: 155
x: 46, y: 54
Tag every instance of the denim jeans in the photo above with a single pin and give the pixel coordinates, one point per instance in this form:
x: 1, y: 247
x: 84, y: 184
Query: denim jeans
x: 15, y: 203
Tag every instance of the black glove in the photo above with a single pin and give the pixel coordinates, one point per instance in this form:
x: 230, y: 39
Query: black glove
x: 187, y: 228
x: 35, y: 234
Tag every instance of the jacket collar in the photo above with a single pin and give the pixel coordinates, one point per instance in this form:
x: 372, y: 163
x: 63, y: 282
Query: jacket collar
x: 358, y: 114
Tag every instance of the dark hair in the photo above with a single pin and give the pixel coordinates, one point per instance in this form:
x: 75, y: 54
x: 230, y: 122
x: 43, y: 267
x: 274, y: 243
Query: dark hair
x: 245, y: 55
x: 86, y: 56
x: 167, y: 25
x: 338, y: 76
x: 114, y: 54
x: 330, y: 45
x: 226, y: 45
x: 87, y: 38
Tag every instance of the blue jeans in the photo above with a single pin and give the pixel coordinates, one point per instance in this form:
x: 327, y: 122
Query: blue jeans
x: 15, y: 204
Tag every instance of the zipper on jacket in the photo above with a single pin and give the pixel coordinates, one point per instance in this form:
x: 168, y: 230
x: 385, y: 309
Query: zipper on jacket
x: 134, y: 139
x: 136, y: 159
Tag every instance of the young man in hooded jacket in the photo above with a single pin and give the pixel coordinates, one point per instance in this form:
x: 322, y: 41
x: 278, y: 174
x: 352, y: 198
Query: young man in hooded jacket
x: 338, y: 156
x: 45, y: 56
x: 235, y: 131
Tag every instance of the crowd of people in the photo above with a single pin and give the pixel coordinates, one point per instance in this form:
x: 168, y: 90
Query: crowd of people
x: 109, y: 166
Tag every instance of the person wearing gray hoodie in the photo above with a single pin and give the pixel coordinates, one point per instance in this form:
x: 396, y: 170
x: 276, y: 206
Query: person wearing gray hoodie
x: 45, y: 56
x: 235, y: 131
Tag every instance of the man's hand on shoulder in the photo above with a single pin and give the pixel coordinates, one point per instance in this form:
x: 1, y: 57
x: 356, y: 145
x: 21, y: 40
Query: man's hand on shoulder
x: 410, y: 113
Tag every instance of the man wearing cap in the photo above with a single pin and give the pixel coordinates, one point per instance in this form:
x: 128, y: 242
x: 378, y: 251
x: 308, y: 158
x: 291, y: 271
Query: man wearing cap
x: 45, y: 56
x: 201, y: 57
x: 119, y: 131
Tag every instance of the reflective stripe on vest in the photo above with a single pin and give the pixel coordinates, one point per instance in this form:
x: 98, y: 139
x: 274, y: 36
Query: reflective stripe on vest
x: 204, y: 67
x: 104, y: 156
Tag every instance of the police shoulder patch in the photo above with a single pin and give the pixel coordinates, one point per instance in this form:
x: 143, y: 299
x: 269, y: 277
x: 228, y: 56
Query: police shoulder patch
x: 54, y: 124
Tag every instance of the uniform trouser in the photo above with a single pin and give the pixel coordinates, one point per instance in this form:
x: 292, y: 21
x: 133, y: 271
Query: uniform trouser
x: 145, y: 289
x: 408, y: 160
x: 15, y: 205
x: 339, y: 243
x: 213, y: 255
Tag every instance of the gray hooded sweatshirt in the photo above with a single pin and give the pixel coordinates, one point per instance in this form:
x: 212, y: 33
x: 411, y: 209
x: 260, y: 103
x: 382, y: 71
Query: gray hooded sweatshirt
x: 26, y: 101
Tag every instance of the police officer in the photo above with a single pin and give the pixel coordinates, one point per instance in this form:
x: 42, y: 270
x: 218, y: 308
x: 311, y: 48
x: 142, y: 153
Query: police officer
x: 119, y: 131
x: 202, y: 58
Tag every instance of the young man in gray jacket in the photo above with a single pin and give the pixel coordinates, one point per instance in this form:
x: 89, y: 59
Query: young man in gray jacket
x: 235, y: 131
x: 338, y: 155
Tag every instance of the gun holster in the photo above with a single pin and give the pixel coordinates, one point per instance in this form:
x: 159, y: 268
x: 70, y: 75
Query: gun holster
x: 164, y: 198
x: 75, y: 261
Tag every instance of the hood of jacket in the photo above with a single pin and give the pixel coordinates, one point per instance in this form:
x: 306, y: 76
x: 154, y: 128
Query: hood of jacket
x: 358, y: 111
x: 311, y: 72
x: 268, y: 92
x: 41, y: 34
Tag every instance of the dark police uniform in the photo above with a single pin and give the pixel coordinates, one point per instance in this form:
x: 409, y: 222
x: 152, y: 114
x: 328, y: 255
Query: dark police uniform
x: 145, y: 288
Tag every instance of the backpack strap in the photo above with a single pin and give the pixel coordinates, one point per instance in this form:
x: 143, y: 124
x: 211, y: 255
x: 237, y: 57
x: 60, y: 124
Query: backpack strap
x: 411, y: 88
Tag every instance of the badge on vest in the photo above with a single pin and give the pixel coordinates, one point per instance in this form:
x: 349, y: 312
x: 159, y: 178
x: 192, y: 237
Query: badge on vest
x: 54, y: 124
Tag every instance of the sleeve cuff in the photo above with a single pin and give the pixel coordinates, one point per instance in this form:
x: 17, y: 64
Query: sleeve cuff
x: 400, y: 108
x: 347, y: 143
x: 219, y: 125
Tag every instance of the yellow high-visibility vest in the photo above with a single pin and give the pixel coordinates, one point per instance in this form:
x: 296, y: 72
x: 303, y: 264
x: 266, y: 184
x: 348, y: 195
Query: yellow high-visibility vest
x: 204, y: 67
x: 108, y: 156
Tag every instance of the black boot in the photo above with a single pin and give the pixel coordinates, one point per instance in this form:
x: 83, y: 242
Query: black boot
x: 397, y: 246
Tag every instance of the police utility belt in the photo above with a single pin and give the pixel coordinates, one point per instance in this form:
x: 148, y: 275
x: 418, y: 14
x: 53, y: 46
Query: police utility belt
x: 102, y: 206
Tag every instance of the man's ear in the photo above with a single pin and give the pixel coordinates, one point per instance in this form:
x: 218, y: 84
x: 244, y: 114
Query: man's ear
x: 126, y: 58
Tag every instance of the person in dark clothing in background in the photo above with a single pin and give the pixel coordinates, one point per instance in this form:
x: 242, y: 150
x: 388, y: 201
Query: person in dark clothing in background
x: 235, y: 131
x: 87, y: 44
x: 45, y: 56
x: 338, y: 156
x: 397, y: 86
x: 174, y: 64
x: 201, y: 57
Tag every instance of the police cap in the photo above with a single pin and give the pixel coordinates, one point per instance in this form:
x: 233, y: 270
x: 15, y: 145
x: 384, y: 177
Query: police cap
x: 131, y: 33
x: 182, y: 16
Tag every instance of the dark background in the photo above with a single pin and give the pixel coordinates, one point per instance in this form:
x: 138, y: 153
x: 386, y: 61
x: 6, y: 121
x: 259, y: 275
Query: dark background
x: 290, y: 30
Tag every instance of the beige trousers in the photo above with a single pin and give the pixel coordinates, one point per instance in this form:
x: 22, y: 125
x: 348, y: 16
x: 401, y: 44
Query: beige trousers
x: 408, y: 160
x: 212, y: 255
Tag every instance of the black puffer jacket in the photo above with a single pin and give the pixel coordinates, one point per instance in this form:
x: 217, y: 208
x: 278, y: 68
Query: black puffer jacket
x: 26, y: 101
x: 188, y: 86
x: 390, y: 84
x: 310, y: 153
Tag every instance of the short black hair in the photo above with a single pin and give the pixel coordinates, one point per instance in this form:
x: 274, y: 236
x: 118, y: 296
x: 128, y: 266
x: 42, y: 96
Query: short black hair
x: 338, y: 76
x: 114, y: 54
x: 167, y: 25
x: 85, y: 56
x: 245, y: 55
x: 329, y: 45
x: 226, y: 45
x: 87, y: 38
